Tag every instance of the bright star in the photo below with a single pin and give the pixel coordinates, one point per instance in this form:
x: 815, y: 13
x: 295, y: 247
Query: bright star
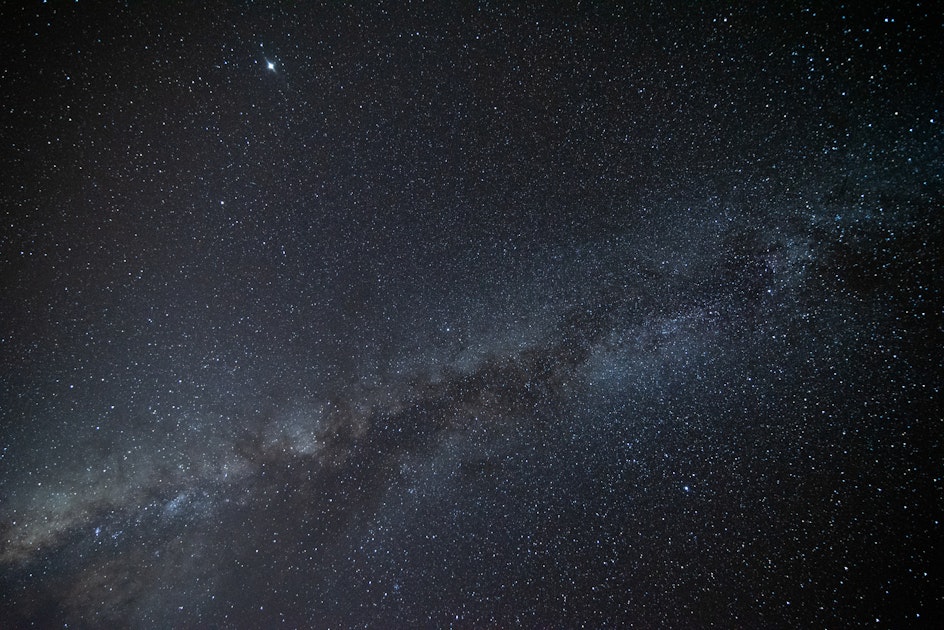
x: 270, y: 65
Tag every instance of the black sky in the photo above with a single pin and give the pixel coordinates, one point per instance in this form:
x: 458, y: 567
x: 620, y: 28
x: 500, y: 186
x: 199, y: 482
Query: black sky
x: 470, y: 316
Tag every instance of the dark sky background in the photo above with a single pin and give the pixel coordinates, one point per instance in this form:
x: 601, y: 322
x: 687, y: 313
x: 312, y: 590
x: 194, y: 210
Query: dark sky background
x: 469, y: 316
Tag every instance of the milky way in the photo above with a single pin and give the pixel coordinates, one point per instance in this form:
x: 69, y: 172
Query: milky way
x: 363, y: 317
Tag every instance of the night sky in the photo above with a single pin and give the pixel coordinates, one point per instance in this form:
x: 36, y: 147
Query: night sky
x: 471, y: 316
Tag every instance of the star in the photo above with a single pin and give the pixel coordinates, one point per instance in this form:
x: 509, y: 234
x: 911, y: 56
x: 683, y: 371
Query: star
x: 505, y: 262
